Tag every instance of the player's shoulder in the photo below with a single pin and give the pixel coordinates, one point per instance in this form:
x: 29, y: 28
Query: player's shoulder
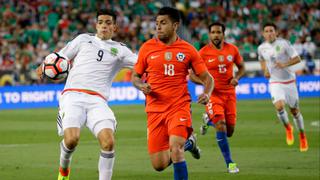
x: 85, y: 36
x: 184, y: 44
x: 262, y: 45
x: 204, y: 49
x: 231, y: 46
x: 282, y: 41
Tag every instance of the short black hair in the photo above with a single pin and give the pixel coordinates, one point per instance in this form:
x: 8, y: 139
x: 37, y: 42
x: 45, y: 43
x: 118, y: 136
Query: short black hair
x: 173, y: 13
x: 269, y: 24
x: 107, y: 12
x: 217, y: 24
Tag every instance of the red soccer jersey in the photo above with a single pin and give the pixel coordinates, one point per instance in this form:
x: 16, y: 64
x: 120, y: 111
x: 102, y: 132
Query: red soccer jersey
x: 220, y: 64
x: 166, y: 68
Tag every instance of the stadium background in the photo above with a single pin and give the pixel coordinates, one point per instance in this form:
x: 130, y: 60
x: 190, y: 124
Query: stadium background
x: 29, y: 30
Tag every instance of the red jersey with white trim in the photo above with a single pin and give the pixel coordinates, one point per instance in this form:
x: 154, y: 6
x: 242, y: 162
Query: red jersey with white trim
x: 220, y: 64
x: 166, y: 68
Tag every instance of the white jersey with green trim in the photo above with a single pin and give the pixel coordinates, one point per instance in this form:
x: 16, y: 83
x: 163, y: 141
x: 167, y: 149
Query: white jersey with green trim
x: 278, y: 51
x: 95, y: 62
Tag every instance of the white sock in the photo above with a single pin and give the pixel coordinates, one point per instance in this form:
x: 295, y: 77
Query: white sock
x: 105, y: 166
x: 65, y: 155
x: 298, y: 120
x: 283, y: 117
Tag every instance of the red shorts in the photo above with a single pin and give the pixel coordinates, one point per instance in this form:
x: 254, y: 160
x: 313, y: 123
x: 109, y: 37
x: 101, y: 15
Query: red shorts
x: 175, y: 121
x: 222, y: 106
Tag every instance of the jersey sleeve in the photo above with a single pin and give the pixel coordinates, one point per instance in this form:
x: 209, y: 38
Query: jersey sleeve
x: 72, y: 47
x: 260, y: 57
x: 238, y: 58
x: 141, y: 64
x: 129, y: 58
x: 197, y: 63
x: 290, y: 49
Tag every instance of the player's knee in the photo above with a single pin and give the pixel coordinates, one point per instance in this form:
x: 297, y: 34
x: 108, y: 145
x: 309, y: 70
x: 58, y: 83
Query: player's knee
x: 220, y: 125
x: 71, y: 141
x: 294, y: 111
x: 107, y: 144
x: 279, y: 105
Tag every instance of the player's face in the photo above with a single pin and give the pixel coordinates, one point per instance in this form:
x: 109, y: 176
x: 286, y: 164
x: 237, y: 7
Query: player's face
x: 165, y: 28
x: 269, y: 33
x: 216, y: 35
x: 105, y: 27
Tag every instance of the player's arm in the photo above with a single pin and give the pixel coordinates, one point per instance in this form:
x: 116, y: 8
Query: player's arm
x: 194, y: 78
x: 208, y: 84
x: 137, y: 82
x: 239, y: 74
x: 264, y: 68
x: 292, y: 61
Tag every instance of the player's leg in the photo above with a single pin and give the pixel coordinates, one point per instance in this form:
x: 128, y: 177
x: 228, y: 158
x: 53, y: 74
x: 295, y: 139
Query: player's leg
x: 70, y: 119
x: 230, y: 117
x: 293, y: 102
x: 177, y: 153
x: 278, y: 98
x: 179, y: 125
x: 102, y: 123
x: 158, y: 141
x: 107, y: 156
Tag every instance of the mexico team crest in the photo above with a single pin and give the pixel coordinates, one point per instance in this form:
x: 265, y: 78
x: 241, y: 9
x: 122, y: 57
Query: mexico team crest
x: 180, y: 57
x: 168, y: 56
x: 229, y: 58
x: 221, y: 58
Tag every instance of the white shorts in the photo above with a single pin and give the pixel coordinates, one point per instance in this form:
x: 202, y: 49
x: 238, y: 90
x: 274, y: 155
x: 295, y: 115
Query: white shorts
x: 286, y: 92
x: 77, y: 109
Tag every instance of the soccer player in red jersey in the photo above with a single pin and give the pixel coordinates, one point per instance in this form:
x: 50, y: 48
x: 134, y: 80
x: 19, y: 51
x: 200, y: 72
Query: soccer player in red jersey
x: 220, y: 57
x: 166, y: 60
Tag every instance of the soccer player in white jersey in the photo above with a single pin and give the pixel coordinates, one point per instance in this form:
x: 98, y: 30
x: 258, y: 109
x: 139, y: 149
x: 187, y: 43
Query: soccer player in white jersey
x: 96, y: 60
x: 276, y: 55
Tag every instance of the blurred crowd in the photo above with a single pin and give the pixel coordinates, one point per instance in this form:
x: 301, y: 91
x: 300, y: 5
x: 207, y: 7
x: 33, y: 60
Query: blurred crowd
x: 31, y: 29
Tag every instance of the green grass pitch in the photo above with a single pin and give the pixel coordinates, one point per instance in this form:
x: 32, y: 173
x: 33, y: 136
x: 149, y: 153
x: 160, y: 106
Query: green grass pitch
x: 29, y: 146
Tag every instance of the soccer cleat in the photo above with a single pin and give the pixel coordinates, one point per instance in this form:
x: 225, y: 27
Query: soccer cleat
x: 290, y: 137
x: 63, y: 174
x: 204, y: 128
x: 303, y: 143
x: 195, y: 150
x: 232, y: 168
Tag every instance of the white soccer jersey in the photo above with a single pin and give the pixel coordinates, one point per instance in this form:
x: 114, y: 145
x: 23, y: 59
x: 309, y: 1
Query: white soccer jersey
x: 95, y: 63
x: 281, y: 51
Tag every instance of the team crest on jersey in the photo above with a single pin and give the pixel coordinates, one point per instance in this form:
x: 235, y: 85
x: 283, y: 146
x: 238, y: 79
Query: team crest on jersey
x: 168, y: 56
x: 229, y: 58
x: 180, y: 57
x: 114, y: 51
x: 221, y: 58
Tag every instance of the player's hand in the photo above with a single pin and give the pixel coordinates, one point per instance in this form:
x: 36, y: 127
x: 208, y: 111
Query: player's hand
x: 203, y: 98
x: 279, y: 65
x: 145, y: 88
x: 234, y: 82
x: 267, y: 74
x: 39, y: 71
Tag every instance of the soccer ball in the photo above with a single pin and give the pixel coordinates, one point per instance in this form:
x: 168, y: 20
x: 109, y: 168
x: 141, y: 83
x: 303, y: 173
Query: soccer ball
x: 56, y: 66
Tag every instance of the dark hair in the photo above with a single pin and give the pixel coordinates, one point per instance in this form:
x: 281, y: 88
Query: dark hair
x: 217, y: 24
x: 173, y: 13
x: 107, y: 12
x: 270, y: 24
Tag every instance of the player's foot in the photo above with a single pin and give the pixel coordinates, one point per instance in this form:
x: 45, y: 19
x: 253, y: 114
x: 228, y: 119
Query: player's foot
x: 290, y: 137
x: 204, y: 127
x: 303, y: 143
x: 195, y: 150
x: 232, y: 168
x: 63, y: 174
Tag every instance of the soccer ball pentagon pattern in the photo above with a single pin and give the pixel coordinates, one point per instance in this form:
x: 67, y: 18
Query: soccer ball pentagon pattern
x: 56, y: 66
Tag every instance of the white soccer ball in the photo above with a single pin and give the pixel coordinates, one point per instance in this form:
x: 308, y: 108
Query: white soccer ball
x: 56, y: 66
